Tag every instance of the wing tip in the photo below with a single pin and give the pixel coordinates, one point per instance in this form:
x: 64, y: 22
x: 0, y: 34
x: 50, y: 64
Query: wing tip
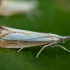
x: 1, y: 27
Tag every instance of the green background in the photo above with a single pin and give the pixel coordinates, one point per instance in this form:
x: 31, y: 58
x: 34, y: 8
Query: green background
x: 55, y: 19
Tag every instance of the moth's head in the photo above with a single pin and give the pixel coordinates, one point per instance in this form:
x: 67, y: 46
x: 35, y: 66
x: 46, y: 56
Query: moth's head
x: 64, y: 39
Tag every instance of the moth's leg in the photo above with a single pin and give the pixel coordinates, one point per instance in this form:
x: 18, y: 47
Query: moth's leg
x: 45, y: 47
x: 19, y: 49
x: 18, y: 43
x: 63, y: 48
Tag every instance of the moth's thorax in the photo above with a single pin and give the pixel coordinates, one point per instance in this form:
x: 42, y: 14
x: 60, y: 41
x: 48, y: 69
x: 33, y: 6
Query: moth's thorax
x: 54, y: 37
x: 57, y: 39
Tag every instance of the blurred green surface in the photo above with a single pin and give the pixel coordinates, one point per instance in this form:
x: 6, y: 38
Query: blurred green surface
x: 55, y: 20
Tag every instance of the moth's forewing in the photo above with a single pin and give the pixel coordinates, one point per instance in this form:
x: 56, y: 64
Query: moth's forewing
x: 14, y: 37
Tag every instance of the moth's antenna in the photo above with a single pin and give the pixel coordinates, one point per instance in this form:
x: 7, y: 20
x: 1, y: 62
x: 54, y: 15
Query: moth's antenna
x: 63, y: 48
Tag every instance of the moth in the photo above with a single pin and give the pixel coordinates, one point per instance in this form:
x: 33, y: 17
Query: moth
x: 10, y: 7
x: 17, y: 38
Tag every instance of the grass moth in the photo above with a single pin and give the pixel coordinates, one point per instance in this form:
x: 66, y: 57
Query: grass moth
x: 16, y: 38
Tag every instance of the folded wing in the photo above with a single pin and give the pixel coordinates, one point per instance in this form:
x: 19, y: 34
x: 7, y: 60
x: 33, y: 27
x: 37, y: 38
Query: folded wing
x: 22, y: 37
